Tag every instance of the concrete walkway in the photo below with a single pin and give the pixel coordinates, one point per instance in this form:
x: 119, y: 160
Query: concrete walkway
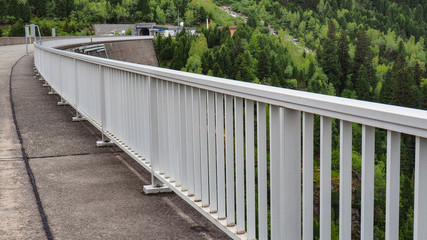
x: 87, y: 192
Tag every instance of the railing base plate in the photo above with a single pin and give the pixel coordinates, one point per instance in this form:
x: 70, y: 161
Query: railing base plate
x: 79, y: 119
x: 63, y: 103
x: 150, y: 189
x: 104, y: 144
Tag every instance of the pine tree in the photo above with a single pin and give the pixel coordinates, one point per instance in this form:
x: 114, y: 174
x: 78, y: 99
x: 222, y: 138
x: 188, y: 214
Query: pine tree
x: 343, y: 59
x: 362, y: 54
x: 417, y: 75
x: 24, y: 11
x: 142, y: 6
x: 263, y: 69
x: 362, y: 85
x: 424, y: 99
x: 39, y: 7
x: 387, y: 88
x: 13, y: 9
x: 3, y: 9
x: 328, y: 59
x: 217, y: 72
x: 64, y: 7
x: 403, y: 94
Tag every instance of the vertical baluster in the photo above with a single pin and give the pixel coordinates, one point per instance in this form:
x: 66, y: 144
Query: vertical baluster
x: 147, y: 126
x: 135, y: 113
x: 420, y: 203
x: 229, y: 151
x: 250, y: 169
x: 212, y: 153
x: 139, y: 121
x: 196, y: 140
x: 262, y: 170
x: 307, y: 154
x: 76, y: 82
x: 393, y: 185
x: 220, y: 153
x: 166, y: 127
x: 131, y: 110
x: 290, y: 166
x: 325, y: 177
x: 184, y: 157
x: 189, y: 141
x: 102, y: 71
x: 275, y: 172
x: 169, y: 137
x: 154, y: 139
x: 177, y: 125
x: 160, y: 100
x: 345, y: 179
x: 120, y: 119
x: 240, y: 167
x: 368, y: 175
x: 203, y: 149
x: 171, y: 130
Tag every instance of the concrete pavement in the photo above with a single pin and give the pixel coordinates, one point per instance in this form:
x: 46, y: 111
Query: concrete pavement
x: 20, y: 218
x: 87, y: 192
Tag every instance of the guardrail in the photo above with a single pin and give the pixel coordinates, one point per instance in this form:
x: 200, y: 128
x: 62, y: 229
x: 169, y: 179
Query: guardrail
x: 224, y: 145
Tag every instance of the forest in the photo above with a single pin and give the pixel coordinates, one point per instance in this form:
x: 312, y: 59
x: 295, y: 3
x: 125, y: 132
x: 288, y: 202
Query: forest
x: 371, y: 50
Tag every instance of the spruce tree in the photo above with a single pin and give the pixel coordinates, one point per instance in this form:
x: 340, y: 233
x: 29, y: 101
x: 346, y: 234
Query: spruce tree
x: 343, y: 59
x: 328, y: 59
x: 142, y: 6
x: 64, y: 7
x: 263, y: 65
x: 387, y: 88
x: 424, y: 98
x: 13, y: 9
x: 403, y: 94
x: 3, y: 9
x: 362, y: 85
x: 417, y: 75
x: 39, y: 7
x: 362, y: 54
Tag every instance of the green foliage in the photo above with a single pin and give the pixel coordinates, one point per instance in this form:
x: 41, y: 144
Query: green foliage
x: 160, y: 16
x: 128, y: 31
x: 362, y: 84
x: 17, y: 30
x: 343, y: 59
x: 64, y: 8
x: 20, y: 10
x: 329, y: 61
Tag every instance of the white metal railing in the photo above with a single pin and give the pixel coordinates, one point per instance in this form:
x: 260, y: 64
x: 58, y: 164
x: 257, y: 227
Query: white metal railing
x: 217, y: 143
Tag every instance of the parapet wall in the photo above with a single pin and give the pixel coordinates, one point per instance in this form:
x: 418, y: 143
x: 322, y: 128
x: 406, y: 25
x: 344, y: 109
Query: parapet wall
x: 139, y: 51
x: 4, y: 41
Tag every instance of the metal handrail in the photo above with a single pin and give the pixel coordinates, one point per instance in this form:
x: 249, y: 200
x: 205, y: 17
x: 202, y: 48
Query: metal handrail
x: 195, y: 134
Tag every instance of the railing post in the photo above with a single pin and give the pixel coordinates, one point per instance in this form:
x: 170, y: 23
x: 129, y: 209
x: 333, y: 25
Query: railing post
x: 290, y: 175
x: 61, y: 82
x: 78, y: 116
x: 105, y: 142
x: 307, y: 153
x: 368, y: 177
x: 420, y: 207
x: 393, y: 186
x: 325, y: 177
x: 275, y: 172
x: 156, y: 185
x: 345, y: 179
x: 262, y: 170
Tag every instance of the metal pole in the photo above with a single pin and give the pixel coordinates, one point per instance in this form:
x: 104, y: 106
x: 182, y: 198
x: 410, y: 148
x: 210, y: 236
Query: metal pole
x: 26, y: 39
x: 38, y: 28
